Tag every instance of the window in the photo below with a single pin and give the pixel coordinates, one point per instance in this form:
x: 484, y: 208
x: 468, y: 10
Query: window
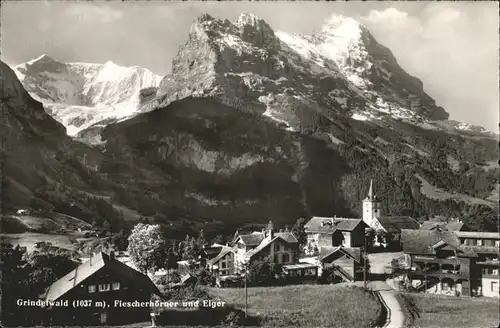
x: 494, y: 286
x: 104, y: 287
x: 116, y: 286
x: 497, y: 243
x: 91, y: 288
x: 479, y: 242
x: 495, y: 271
x: 222, y: 265
x: 285, y: 258
x: 474, y: 242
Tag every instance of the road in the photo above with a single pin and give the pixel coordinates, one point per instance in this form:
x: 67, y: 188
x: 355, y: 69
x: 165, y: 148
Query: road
x: 389, y: 298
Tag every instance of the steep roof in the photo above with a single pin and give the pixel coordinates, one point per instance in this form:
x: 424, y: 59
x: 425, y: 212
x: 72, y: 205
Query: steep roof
x: 287, y: 237
x: 329, y: 225
x: 427, y: 241
x: 451, y: 225
x: 89, y: 268
x: 252, y: 239
x: 352, y: 252
x: 224, y: 251
x: 395, y: 224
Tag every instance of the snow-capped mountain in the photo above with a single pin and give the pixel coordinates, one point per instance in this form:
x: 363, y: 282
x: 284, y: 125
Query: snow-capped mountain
x: 83, y: 95
x: 342, y: 69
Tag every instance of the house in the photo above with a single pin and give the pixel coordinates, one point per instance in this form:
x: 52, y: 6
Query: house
x: 346, y: 263
x: 223, y: 263
x: 245, y: 243
x: 453, y: 225
x: 209, y: 252
x: 329, y: 232
x: 453, y: 262
x: 96, y: 285
x: 392, y: 225
x: 278, y: 247
x: 300, y: 273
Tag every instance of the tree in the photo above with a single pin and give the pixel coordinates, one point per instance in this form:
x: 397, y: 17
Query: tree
x: 299, y: 232
x: 146, y: 247
x: 45, y: 267
x: 190, y: 249
x: 12, y: 275
x: 370, y: 236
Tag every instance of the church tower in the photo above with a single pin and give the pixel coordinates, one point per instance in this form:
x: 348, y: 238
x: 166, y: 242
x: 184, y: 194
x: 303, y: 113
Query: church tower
x: 371, y: 207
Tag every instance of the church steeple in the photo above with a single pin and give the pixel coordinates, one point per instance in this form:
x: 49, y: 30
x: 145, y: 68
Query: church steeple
x: 371, y: 207
x: 370, y: 191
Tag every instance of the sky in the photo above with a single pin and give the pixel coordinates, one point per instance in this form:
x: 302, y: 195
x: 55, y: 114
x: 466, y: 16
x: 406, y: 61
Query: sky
x: 453, y: 47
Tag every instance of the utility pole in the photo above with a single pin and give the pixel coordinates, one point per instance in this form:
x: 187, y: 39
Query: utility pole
x: 365, y: 258
x: 246, y: 291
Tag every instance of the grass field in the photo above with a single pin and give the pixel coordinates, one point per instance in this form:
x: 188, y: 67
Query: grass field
x: 432, y: 311
x: 340, y: 305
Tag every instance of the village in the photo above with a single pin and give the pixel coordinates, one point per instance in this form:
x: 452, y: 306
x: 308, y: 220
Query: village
x: 437, y: 257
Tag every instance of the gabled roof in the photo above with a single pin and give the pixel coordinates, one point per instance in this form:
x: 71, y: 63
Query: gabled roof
x: 427, y: 241
x: 329, y: 225
x: 451, y: 225
x: 252, y: 239
x: 352, y: 252
x: 395, y: 224
x: 287, y: 237
x: 224, y: 251
x: 90, y: 267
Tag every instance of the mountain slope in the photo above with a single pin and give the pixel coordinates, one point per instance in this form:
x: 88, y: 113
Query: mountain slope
x: 249, y: 126
x: 82, y: 95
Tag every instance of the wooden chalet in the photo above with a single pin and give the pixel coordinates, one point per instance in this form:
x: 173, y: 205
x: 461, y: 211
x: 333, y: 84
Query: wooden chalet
x: 453, y: 262
x: 100, y: 279
x: 279, y: 247
x: 393, y: 225
x: 345, y: 262
x: 223, y: 263
x: 330, y: 232
x: 454, y: 225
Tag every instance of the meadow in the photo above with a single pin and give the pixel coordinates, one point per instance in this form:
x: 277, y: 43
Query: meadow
x: 340, y: 305
x: 433, y: 311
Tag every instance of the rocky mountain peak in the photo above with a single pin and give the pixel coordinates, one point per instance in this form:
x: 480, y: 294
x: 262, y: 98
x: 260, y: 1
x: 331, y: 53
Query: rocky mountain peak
x: 255, y: 30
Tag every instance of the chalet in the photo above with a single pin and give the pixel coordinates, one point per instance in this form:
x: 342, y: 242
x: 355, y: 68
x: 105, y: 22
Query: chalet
x: 209, y: 252
x: 453, y: 225
x: 453, y: 262
x: 346, y: 263
x: 330, y: 232
x: 100, y: 279
x: 280, y: 247
x: 393, y: 225
x: 223, y: 263
x: 245, y: 243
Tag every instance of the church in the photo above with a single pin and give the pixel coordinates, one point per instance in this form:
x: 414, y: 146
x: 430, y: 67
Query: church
x: 389, y: 225
x: 350, y: 232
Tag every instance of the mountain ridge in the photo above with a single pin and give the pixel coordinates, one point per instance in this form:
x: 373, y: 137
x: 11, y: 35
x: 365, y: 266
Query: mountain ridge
x: 82, y: 95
